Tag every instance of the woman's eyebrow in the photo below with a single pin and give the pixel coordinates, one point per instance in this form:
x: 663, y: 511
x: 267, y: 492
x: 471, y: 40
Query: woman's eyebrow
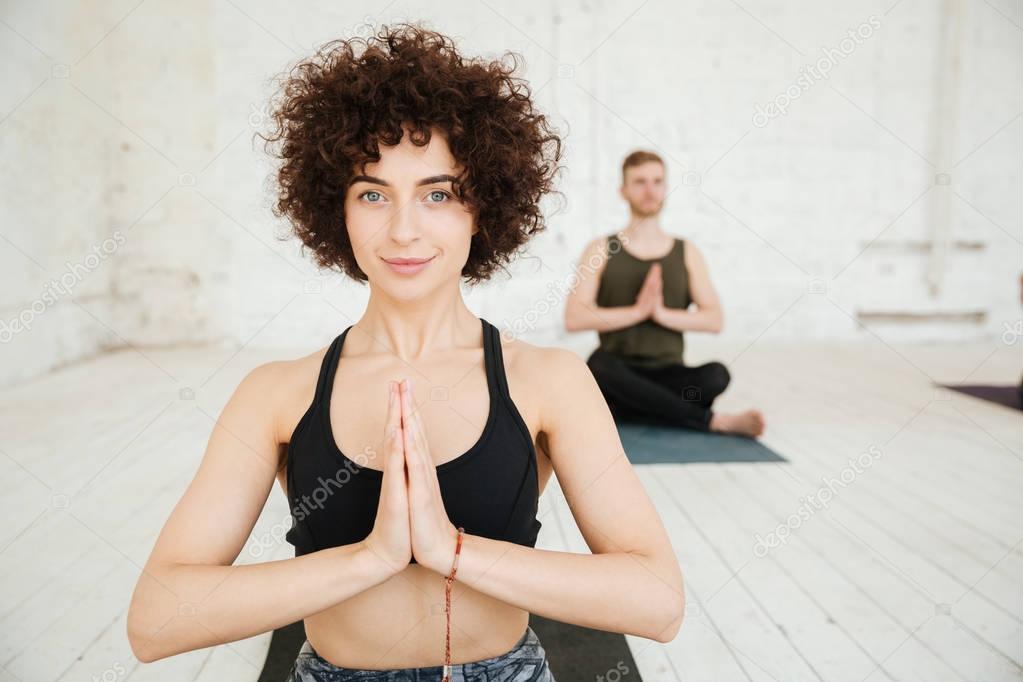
x: 380, y: 181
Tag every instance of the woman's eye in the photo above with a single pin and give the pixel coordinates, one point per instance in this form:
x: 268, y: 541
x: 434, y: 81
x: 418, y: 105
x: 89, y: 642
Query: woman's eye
x: 437, y: 196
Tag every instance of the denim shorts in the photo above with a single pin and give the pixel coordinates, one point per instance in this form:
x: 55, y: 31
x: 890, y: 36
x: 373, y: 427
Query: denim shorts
x: 526, y: 662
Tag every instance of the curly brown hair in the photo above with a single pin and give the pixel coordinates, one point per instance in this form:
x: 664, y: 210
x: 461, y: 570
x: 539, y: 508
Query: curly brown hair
x: 335, y: 108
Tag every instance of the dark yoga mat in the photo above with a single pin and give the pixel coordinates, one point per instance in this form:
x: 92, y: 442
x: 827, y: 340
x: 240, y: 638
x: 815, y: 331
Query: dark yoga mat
x: 1003, y: 395
x: 578, y: 653
x: 284, y: 645
x: 573, y: 652
x: 647, y: 444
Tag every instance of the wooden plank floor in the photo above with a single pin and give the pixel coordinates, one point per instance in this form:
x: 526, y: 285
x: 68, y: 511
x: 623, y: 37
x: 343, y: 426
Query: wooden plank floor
x: 907, y: 569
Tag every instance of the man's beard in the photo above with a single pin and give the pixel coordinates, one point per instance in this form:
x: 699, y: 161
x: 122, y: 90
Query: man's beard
x: 640, y: 210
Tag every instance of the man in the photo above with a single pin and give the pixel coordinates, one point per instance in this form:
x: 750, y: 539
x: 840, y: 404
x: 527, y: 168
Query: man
x: 635, y: 290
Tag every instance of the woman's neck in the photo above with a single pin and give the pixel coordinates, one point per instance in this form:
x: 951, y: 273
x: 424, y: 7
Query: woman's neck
x: 413, y: 328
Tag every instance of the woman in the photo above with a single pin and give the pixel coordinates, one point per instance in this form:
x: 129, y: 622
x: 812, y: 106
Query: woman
x: 411, y: 464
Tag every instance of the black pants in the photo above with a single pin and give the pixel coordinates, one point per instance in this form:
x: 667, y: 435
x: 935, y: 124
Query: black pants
x: 675, y: 395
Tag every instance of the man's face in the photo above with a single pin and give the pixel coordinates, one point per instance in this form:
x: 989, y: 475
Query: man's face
x: 643, y: 188
x: 403, y: 207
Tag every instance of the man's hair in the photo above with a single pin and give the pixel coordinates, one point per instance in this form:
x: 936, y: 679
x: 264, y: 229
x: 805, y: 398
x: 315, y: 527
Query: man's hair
x: 637, y: 158
x: 336, y: 107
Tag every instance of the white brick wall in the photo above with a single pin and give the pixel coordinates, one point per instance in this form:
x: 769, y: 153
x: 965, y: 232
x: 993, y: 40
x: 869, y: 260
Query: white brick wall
x: 139, y: 122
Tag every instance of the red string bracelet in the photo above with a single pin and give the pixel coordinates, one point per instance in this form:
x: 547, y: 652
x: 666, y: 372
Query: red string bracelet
x: 447, y: 606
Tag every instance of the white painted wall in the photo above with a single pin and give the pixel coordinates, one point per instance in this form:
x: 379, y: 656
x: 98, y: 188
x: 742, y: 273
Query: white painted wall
x: 890, y: 187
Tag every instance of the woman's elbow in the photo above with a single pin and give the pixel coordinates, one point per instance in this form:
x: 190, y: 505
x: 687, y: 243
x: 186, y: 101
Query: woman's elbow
x: 669, y: 624
x: 144, y: 624
x: 670, y: 603
x: 142, y: 655
x: 140, y: 639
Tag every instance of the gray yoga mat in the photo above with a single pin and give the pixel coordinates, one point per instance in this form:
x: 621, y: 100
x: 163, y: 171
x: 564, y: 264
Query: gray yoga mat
x: 647, y: 444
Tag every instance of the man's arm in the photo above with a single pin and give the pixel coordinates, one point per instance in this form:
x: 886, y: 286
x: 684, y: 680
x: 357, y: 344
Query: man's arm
x: 581, y: 309
x: 708, y: 316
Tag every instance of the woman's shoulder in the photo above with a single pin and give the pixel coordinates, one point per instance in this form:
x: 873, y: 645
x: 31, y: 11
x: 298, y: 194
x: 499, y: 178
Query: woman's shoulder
x: 543, y: 378
x: 540, y: 365
x: 284, y: 387
x: 289, y: 372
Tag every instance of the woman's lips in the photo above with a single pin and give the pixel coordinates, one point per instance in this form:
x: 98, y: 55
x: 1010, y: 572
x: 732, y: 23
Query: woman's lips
x: 407, y: 266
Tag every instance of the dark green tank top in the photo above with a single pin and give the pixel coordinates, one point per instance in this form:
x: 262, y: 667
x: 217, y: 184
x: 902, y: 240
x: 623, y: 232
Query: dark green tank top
x: 646, y: 344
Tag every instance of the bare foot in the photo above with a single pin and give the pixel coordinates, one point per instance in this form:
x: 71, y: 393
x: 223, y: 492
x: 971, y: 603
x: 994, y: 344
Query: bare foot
x: 749, y: 423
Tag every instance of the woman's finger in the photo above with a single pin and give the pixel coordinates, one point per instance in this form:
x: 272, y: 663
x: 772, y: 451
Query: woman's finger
x: 418, y: 435
x: 417, y: 428
x: 429, y: 468
x: 430, y: 485
x: 394, y: 459
x: 413, y: 459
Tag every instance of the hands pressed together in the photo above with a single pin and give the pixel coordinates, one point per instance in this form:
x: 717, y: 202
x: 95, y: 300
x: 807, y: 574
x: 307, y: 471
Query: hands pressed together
x: 411, y: 519
x: 650, y: 300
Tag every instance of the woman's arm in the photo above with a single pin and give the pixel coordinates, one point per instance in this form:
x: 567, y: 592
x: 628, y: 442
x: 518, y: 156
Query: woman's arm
x: 189, y: 595
x: 632, y: 582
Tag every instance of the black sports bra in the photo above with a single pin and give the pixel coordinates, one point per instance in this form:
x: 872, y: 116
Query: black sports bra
x: 491, y: 489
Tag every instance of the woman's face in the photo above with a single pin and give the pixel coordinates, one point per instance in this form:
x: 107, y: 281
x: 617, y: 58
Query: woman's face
x: 409, y: 232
